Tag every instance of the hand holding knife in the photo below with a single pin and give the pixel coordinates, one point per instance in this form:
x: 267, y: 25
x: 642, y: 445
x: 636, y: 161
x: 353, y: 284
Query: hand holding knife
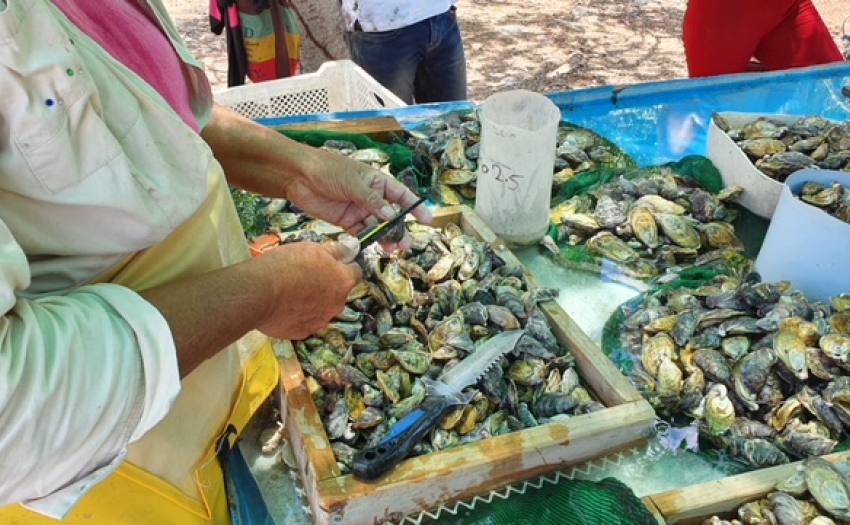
x: 378, y: 231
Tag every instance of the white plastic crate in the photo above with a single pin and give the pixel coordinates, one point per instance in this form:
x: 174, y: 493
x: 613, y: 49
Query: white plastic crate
x: 337, y: 86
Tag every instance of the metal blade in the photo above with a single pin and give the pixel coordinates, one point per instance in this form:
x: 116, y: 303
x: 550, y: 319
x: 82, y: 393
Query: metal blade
x: 376, y: 232
x: 475, y: 364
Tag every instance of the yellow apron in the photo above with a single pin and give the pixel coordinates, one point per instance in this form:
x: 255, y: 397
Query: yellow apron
x: 133, y: 494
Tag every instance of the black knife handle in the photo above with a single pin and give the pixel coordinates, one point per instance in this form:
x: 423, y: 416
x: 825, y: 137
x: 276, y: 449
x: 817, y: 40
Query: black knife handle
x: 372, y: 463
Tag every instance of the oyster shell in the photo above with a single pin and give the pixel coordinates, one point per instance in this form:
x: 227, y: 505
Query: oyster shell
x: 643, y: 226
x: 828, y: 486
x: 678, y: 230
x: 605, y: 244
x: 719, y: 410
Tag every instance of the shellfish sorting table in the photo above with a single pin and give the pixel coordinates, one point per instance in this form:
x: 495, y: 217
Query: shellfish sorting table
x: 655, y: 123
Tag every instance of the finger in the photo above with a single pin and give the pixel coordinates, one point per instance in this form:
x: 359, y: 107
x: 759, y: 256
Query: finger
x: 356, y: 271
x: 404, y: 244
x: 370, y: 221
x: 347, y: 249
x: 396, y: 191
x: 364, y: 191
x: 423, y: 213
x: 345, y: 252
x: 359, y: 227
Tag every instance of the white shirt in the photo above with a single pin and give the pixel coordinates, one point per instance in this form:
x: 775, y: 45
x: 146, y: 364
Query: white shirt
x: 386, y: 15
x: 83, y: 369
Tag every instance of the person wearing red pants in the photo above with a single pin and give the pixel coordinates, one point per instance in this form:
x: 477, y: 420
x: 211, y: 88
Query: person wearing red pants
x: 723, y: 36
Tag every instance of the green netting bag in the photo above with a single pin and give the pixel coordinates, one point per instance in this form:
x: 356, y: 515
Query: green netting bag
x: 249, y: 208
x: 696, y: 168
x: 574, y: 502
x: 692, y: 277
x: 411, y: 156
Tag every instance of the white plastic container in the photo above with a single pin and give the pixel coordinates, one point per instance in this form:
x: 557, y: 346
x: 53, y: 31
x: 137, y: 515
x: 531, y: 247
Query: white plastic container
x: 519, y: 132
x: 337, y: 86
x: 761, y: 193
x: 804, y: 244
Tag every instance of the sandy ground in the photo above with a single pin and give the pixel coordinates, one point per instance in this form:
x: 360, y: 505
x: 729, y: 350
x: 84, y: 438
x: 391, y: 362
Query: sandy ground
x: 543, y: 45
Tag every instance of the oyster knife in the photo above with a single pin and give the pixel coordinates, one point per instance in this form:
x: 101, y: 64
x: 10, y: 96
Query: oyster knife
x: 370, y: 235
x: 442, y: 395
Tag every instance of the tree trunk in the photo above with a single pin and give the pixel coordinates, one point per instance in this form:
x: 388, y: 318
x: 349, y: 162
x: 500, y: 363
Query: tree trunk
x: 322, y: 30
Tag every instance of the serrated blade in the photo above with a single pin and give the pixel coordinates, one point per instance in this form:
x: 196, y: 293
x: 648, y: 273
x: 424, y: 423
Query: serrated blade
x: 473, y: 366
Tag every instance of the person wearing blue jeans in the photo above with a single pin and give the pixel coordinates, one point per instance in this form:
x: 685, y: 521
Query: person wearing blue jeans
x: 414, y: 48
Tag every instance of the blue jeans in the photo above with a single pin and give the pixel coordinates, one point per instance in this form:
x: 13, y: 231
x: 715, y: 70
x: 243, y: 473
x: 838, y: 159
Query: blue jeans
x: 420, y: 63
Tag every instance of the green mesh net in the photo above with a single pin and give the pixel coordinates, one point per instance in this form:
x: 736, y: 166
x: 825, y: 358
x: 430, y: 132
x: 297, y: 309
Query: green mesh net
x: 575, y: 502
x: 577, y: 257
x: 249, y: 208
x: 694, y: 167
x: 608, y: 155
x: 692, y: 277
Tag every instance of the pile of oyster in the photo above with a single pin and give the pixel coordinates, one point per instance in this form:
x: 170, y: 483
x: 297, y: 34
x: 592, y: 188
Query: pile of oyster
x: 833, y: 199
x: 447, y: 148
x: 817, y: 494
x: 647, y: 224
x: 765, y: 371
x: 418, y: 313
x: 779, y: 149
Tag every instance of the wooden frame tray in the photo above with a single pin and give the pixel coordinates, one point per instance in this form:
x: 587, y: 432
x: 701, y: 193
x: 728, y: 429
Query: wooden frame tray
x: 428, y: 481
x: 695, y: 504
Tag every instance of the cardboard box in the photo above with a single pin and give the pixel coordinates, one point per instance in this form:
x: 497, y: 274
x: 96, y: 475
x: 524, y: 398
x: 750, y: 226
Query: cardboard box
x: 435, y: 479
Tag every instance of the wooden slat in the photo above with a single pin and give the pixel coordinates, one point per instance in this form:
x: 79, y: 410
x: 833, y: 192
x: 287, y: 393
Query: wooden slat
x: 464, y: 472
x: 473, y: 224
x: 307, y: 432
x: 693, y: 505
x: 597, y: 370
x: 378, y: 128
x: 650, y: 506
x: 449, y: 214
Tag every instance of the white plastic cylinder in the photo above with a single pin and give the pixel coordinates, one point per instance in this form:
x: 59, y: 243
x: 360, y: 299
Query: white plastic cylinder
x: 519, y: 132
x: 804, y: 244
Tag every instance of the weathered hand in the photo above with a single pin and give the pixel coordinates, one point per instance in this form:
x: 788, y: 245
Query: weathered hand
x: 312, y: 282
x: 351, y: 194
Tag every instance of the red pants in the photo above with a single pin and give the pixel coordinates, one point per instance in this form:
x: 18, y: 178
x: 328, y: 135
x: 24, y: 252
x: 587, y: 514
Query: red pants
x: 722, y: 36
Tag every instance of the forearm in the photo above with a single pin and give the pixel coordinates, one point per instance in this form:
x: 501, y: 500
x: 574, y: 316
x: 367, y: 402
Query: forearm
x: 254, y: 157
x: 211, y: 311
x: 323, y: 184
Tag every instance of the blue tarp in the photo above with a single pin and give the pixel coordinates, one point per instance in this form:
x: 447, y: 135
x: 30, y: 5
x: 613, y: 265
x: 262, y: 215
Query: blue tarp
x: 665, y: 121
